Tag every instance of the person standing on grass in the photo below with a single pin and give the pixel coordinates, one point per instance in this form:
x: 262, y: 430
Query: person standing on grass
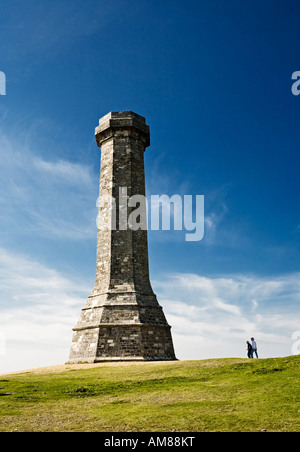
x: 254, y: 348
x: 249, y: 350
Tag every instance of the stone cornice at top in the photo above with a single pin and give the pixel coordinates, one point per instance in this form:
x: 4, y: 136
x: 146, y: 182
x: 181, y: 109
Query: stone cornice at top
x: 117, y: 120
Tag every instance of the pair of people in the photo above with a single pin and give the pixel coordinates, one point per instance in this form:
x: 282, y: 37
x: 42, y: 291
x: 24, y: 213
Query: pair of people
x: 252, y: 348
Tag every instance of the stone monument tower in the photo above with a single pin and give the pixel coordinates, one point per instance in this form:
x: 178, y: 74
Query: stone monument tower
x: 122, y: 319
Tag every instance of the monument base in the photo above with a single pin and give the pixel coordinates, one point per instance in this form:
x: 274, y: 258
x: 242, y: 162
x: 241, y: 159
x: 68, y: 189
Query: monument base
x: 132, y: 341
x: 119, y: 359
x: 122, y: 327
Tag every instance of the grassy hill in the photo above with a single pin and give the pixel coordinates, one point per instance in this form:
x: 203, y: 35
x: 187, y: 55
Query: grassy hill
x: 187, y: 396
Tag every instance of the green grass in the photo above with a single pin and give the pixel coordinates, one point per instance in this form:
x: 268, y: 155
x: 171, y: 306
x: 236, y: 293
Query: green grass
x: 184, y: 396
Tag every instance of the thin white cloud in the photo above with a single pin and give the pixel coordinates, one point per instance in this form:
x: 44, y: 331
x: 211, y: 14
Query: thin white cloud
x: 50, y: 29
x: 53, y: 198
x: 214, y: 316
x: 210, y: 316
x: 38, y: 309
x: 67, y: 171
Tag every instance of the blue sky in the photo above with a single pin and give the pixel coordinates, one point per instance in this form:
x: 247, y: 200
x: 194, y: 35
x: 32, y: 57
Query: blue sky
x: 213, y: 79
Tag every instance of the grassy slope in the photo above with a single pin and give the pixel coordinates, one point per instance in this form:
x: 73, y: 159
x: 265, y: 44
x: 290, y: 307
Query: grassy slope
x: 190, y: 396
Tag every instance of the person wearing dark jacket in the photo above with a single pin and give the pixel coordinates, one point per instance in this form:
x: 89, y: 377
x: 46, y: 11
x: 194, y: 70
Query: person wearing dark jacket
x: 249, y: 350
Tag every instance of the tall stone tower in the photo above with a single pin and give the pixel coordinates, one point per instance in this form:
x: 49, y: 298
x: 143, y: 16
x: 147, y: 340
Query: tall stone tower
x: 122, y: 319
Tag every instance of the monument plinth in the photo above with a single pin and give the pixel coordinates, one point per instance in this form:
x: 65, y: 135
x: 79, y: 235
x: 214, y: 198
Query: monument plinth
x: 122, y: 319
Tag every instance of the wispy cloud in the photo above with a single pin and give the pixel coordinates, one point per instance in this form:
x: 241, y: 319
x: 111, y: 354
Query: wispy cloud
x: 210, y: 316
x: 214, y: 316
x: 39, y: 307
x: 217, y: 230
x: 45, y: 196
x: 37, y: 29
x: 74, y: 173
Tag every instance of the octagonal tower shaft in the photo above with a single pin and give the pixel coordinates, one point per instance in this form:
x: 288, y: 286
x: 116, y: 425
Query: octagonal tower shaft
x: 122, y: 319
x: 122, y: 253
